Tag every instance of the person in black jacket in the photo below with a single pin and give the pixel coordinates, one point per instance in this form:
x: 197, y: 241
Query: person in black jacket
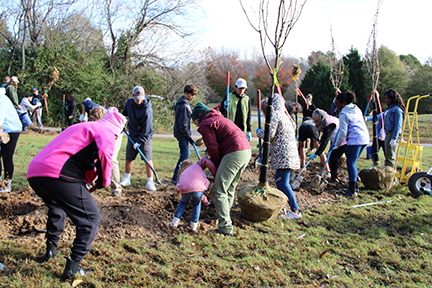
x: 182, y: 126
x: 71, y: 110
x: 37, y: 114
x: 308, y: 112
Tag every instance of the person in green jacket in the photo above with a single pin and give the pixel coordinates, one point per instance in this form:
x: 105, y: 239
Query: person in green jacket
x: 239, y: 107
x: 11, y: 91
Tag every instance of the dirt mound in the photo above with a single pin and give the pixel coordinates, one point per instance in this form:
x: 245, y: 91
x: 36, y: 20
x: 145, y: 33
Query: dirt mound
x: 144, y: 214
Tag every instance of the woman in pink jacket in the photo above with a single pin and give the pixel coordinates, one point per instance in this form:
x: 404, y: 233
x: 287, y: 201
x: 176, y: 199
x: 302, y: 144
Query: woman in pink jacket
x: 192, y: 184
x: 58, y: 174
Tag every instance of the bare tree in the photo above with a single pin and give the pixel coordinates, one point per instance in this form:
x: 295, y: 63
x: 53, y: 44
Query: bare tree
x: 287, y: 15
x: 372, y: 63
x: 337, y: 64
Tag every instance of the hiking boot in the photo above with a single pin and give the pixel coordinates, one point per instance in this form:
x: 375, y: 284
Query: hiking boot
x: 51, y: 250
x: 292, y: 215
x: 351, y: 191
x: 125, y: 182
x: 150, y: 186
x: 334, y: 174
x: 72, y: 268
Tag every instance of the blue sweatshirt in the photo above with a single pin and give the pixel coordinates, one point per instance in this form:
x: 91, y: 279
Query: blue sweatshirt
x: 140, y: 116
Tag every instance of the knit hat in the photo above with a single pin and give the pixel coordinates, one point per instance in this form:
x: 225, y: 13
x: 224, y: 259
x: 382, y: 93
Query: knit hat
x: 200, y: 111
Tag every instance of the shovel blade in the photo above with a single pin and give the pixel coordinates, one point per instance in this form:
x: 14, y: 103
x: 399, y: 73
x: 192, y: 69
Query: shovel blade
x: 316, y: 181
x: 297, y: 182
x: 322, y: 185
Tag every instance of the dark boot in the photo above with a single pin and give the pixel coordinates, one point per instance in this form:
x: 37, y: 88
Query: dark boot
x: 51, y: 250
x: 334, y: 174
x: 72, y: 268
x: 356, y: 188
x: 351, y: 191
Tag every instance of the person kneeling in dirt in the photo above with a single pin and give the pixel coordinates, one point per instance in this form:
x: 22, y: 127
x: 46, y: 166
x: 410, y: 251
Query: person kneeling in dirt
x: 192, y: 184
x: 283, y: 151
x: 328, y: 125
x: 230, y: 151
x: 308, y: 130
x: 58, y: 174
x: 352, y: 127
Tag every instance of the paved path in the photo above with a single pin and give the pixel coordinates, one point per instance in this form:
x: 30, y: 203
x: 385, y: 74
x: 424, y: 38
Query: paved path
x: 195, y: 135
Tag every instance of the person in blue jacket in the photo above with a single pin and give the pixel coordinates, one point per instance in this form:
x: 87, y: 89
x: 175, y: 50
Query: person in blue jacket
x: 140, y: 113
x: 10, y: 124
x: 393, y: 121
x: 88, y: 105
x: 183, y: 127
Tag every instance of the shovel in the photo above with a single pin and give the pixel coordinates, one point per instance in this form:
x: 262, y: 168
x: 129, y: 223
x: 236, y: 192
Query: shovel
x: 318, y: 182
x: 196, y: 151
x: 298, y: 179
x: 162, y: 182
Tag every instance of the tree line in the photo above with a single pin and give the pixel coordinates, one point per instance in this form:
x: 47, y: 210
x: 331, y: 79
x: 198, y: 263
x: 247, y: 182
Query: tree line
x: 102, y: 49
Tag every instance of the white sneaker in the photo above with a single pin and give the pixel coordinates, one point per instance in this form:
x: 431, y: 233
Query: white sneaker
x: 150, y: 186
x: 125, y: 182
x: 292, y: 215
x: 175, y: 222
x: 194, y: 226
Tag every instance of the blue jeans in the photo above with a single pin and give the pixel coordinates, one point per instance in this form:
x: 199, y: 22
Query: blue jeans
x: 196, y: 202
x: 353, y: 153
x: 284, y: 186
x: 184, y: 155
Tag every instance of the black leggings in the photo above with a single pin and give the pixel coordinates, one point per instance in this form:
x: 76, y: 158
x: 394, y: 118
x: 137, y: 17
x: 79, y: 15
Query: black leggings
x: 6, y: 153
x: 71, y: 199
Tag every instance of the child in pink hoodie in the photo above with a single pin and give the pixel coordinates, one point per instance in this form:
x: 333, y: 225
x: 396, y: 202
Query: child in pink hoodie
x: 192, y: 184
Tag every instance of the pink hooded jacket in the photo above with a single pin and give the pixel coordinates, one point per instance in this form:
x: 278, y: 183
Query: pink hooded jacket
x: 67, y: 156
x: 193, y: 178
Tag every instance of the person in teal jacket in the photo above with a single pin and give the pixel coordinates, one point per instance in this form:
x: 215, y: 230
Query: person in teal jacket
x: 393, y: 121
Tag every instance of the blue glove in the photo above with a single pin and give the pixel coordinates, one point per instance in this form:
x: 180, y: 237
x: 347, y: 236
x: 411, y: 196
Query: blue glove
x: 249, y: 136
x: 137, y: 145
x: 258, y: 129
x: 313, y: 156
x: 226, y: 104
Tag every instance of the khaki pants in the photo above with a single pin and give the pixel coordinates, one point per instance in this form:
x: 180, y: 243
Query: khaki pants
x: 390, y: 152
x: 115, y: 174
x: 227, y: 177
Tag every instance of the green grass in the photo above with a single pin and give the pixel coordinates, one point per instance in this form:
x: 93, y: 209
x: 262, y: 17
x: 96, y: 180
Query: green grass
x: 384, y: 245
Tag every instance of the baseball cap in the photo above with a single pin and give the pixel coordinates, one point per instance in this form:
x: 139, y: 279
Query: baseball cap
x: 14, y: 78
x: 35, y: 89
x: 138, y: 93
x: 241, y: 83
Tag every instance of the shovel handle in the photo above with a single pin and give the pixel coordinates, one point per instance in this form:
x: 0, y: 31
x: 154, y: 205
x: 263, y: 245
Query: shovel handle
x: 196, y: 151
x: 144, y: 157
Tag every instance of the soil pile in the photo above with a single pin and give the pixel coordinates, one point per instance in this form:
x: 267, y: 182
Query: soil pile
x: 144, y: 214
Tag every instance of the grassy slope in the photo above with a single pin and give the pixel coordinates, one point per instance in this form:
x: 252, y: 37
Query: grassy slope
x: 381, y: 245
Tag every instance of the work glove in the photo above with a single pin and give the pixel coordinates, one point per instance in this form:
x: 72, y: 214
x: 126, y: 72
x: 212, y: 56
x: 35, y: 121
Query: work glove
x: 313, y: 156
x: 137, y: 145
x: 226, y: 104
x: 191, y: 141
x: 249, y: 136
x: 392, y: 143
x: 39, y: 104
x: 199, y: 142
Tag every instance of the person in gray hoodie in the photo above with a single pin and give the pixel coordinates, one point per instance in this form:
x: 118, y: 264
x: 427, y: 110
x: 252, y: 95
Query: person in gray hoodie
x: 182, y: 126
x: 352, y: 127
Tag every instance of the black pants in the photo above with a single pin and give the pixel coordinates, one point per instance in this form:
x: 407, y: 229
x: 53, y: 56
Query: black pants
x: 6, y: 153
x: 71, y: 199
x: 335, y: 156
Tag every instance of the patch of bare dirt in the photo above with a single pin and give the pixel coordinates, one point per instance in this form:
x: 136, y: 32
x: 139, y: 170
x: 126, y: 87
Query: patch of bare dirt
x: 145, y: 214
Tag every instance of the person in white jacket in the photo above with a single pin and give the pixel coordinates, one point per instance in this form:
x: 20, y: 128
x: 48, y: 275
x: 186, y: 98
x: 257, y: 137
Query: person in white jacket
x: 352, y: 127
x: 26, y: 107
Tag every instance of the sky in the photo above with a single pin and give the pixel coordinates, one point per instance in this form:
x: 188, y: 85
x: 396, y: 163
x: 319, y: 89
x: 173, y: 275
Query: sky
x: 403, y: 26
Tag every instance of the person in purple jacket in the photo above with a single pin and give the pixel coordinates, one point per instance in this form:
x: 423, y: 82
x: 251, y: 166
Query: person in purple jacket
x: 230, y: 151
x: 352, y: 127
x: 58, y: 174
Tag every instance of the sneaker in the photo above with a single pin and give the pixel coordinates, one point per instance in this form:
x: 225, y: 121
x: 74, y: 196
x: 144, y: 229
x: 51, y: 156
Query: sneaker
x: 116, y: 193
x: 292, y: 215
x: 150, y: 186
x: 125, y: 182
